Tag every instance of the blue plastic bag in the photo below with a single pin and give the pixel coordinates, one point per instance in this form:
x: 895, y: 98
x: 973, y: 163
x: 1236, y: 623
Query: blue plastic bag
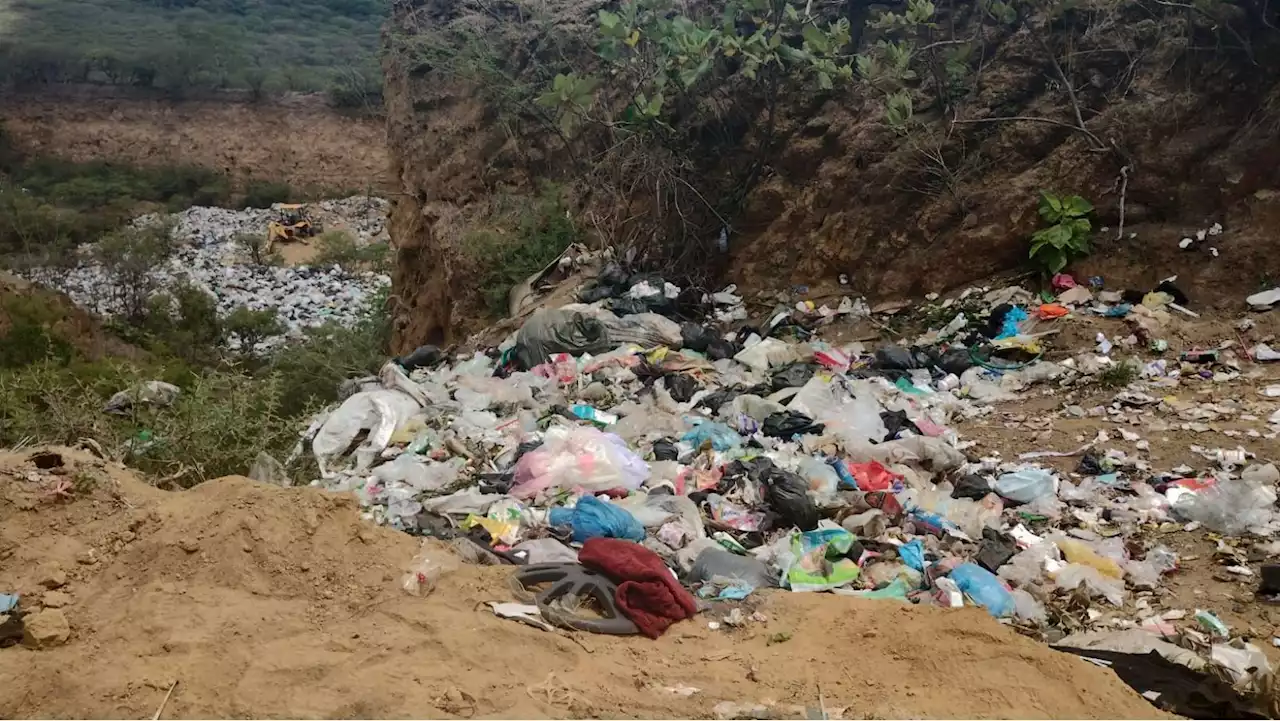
x: 722, y: 437
x: 593, y: 518
x: 1009, y: 327
x: 912, y: 554
x: 1026, y: 485
x: 984, y: 589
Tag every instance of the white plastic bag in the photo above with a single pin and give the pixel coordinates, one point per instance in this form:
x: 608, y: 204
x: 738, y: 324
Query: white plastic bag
x: 582, y: 458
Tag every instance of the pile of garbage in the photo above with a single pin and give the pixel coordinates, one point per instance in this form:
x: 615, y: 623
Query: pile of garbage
x: 208, y: 258
x: 651, y: 449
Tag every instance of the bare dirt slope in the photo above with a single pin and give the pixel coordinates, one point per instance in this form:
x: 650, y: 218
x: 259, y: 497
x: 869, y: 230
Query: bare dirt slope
x: 268, y: 602
x: 297, y: 139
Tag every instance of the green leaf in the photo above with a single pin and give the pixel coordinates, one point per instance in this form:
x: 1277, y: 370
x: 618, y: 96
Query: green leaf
x: 824, y: 81
x: 775, y: 40
x: 655, y: 106
x: 792, y: 14
x: 692, y: 75
x: 1058, y: 236
x: 1076, y: 207
x: 815, y: 38
x: 608, y: 19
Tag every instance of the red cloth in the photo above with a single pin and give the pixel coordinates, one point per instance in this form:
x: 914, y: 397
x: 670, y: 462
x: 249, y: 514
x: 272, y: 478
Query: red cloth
x: 647, y: 592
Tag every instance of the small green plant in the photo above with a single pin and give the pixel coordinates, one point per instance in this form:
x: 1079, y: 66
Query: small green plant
x: 1067, y: 236
x: 256, y: 249
x: 1120, y: 374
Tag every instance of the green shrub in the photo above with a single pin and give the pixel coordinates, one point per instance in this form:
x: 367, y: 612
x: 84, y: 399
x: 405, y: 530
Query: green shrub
x: 251, y: 327
x: 542, y: 230
x: 216, y: 427
x: 264, y: 193
x: 255, y: 247
x: 340, y: 248
x: 311, y: 370
x: 1067, y: 237
x: 130, y: 256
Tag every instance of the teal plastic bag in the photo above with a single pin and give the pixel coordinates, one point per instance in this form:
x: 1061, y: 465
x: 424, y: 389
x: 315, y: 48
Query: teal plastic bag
x: 593, y: 518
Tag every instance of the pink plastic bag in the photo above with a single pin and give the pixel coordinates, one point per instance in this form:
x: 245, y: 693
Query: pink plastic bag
x: 835, y: 359
x: 562, y: 367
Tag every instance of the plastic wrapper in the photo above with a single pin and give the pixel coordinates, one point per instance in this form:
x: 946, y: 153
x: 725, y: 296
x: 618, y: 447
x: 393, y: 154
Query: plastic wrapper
x: 594, y: 518
x: 578, y: 458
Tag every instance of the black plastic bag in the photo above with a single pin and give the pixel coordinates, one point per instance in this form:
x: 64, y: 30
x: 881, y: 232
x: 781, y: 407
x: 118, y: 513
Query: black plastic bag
x: 628, y: 306
x: 793, y: 375
x: 425, y: 356
x: 971, y: 486
x: 600, y: 292
x: 789, y: 498
x: 995, y: 550
x: 1178, y: 296
x: 719, y: 349
x: 665, y: 450
x: 995, y: 321
x: 894, y: 358
x: 713, y: 400
x: 955, y: 361
x: 895, y: 421
x: 786, y: 424
x: 695, y: 337
x: 613, y: 276
x: 682, y: 387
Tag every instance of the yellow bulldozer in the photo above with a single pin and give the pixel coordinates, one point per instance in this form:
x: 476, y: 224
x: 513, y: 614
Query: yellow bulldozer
x: 292, y: 224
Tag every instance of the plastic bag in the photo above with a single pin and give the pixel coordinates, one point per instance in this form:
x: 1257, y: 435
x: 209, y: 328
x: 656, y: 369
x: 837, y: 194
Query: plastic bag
x: 789, y: 496
x: 984, y: 589
x: 768, y: 352
x: 1074, y: 575
x: 718, y: 564
x: 544, y: 550
x: 593, y: 518
x: 1026, y: 485
x: 1027, y: 608
x: 422, y: 475
x: 427, y: 567
x: 852, y: 419
x: 550, y: 331
x: 820, y: 560
x: 1230, y: 507
x: 788, y: 424
x: 822, y: 478
x: 722, y: 437
x: 581, y: 457
x: 872, y: 476
x: 378, y: 411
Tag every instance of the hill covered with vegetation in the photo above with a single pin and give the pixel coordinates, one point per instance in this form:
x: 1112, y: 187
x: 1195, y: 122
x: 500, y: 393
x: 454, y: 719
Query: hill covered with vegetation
x: 263, y: 46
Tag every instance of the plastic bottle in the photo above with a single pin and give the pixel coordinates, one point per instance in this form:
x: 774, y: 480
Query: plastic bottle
x: 426, y: 569
x: 1079, y: 552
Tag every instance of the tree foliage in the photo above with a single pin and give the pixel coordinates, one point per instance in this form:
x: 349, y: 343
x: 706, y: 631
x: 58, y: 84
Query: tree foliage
x: 259, y: 45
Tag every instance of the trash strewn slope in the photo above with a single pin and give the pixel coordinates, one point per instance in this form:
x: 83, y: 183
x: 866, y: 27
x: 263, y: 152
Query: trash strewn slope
x: 260, y: 601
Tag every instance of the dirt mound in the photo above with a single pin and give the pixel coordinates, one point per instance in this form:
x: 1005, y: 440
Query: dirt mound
x: 264, y: 602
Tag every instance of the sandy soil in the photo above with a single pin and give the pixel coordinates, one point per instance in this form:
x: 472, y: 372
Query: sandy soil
x: 270, y: 602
